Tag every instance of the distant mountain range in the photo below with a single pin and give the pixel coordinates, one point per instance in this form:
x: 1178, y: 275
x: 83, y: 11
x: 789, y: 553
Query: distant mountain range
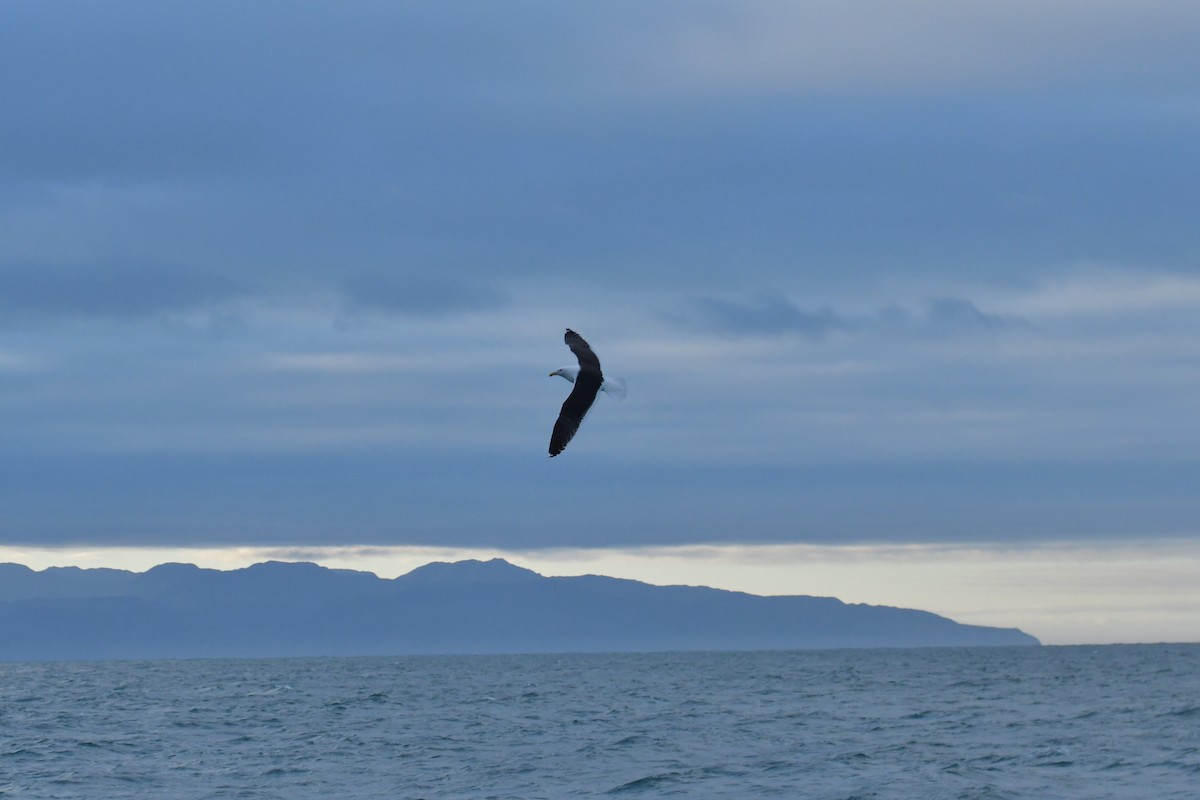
x: 291, y: 609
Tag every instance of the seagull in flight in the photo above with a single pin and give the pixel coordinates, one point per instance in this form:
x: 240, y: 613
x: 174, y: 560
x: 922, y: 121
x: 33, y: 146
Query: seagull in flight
x: 589, y: 381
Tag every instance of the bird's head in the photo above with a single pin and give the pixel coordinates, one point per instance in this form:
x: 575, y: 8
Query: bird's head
x: 570, y: 373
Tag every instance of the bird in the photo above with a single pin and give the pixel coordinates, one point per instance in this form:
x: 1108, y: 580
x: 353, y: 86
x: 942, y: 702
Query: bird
x: 588, y: 380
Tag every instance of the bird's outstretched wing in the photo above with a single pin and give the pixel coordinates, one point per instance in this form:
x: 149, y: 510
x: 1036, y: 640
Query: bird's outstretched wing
x: 582, y: 351
x: 574, y: 408
x: 587, y: 384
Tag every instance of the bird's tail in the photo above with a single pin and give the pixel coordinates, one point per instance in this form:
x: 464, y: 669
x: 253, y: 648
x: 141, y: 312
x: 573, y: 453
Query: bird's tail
x: 614, y: 387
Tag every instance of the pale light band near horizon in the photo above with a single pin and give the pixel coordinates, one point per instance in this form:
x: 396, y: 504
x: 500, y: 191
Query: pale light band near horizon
x: 1062, y: 593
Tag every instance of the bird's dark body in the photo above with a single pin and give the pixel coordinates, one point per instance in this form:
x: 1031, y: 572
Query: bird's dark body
x: 587, y: 385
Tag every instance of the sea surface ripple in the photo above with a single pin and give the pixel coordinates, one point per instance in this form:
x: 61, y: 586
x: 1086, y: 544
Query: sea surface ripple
x: 1032, y: 722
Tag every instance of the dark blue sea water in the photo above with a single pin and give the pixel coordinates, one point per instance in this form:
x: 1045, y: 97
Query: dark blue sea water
x: 1049, y: 722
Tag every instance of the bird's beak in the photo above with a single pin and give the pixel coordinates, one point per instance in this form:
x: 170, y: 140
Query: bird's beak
x: 551, y: 375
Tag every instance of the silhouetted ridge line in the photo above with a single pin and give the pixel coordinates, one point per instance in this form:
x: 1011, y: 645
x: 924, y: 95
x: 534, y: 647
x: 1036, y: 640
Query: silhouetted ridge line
x: 291, y: 609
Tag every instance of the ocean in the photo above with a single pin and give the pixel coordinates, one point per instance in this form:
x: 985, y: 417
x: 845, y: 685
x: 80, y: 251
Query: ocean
x: 1029, y: 722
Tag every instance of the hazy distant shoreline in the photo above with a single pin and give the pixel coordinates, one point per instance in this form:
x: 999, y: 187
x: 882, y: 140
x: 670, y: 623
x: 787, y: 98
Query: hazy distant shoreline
x: 301, y: 609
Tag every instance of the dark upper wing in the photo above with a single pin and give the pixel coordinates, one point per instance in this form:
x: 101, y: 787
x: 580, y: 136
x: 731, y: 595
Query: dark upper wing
x: 582, y: 351
x: 574, y: 408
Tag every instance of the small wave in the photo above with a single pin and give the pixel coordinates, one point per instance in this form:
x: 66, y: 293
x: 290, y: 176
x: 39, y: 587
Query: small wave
x: 920, y: 714
x: 1187, y: 712
x: 646, y: 783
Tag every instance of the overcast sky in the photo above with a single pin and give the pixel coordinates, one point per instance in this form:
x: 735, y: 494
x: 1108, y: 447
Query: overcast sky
x: 293, y: 274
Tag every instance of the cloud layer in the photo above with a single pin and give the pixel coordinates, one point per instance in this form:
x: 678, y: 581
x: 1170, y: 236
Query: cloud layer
x: 873, y: 273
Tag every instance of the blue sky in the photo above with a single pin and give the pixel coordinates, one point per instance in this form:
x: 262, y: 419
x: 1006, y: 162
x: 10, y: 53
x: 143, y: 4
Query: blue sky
x: 292, y: 275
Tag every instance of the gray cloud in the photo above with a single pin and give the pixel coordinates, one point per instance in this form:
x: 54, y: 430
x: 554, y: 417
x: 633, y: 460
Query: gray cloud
x: 872, y: 46
x: 380, y: 499
x: 112, y: 290
x: 956, y: 314
x: 410, y: 135
x: 941, y: 317
x: 769, y: 314
x: 773, y: 314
